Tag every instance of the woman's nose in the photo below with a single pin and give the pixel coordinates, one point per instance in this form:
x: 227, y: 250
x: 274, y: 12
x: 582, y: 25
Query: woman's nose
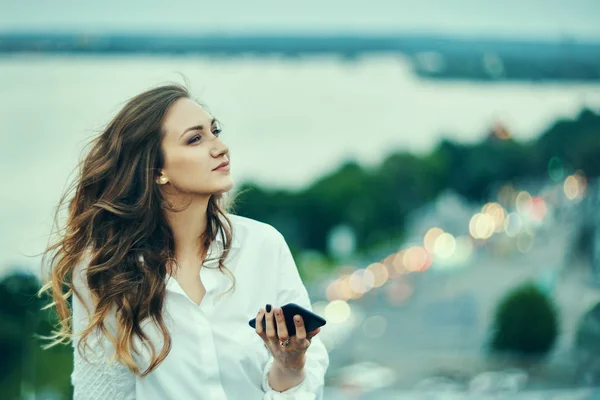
x: 219, y: 148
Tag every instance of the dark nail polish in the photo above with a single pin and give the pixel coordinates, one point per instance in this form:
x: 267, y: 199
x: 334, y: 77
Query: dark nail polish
x: 268, y: 308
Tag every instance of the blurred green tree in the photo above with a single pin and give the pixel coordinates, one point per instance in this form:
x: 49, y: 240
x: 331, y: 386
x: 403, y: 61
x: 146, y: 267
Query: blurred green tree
x: 375, y: 202
x: 24, y: 365
x: 526, y: 323
x: 19, y: 308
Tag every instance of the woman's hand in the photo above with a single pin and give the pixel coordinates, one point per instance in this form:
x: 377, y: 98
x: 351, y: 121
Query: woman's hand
x: 290, y: 358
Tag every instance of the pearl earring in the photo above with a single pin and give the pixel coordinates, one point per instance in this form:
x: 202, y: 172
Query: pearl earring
x: 163, y: 180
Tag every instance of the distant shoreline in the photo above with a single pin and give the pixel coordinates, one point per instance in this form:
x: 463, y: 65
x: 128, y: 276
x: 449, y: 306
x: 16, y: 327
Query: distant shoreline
x: 432, y: 57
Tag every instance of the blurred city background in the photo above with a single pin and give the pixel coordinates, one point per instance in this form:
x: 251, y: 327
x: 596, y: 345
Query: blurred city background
x: 433, y: 166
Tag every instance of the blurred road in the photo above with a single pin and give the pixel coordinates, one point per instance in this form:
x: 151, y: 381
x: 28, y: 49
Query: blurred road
x: 578, y: 394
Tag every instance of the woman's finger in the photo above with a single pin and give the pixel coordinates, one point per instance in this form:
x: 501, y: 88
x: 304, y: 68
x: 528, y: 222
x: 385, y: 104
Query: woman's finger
x: 282, y: 331
x: 300, y: 329
x: 259, y: 328
x: 270, y: 323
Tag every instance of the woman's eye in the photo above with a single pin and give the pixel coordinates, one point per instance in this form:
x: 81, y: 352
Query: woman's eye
x: 193, y: 139
x: 198, y: 138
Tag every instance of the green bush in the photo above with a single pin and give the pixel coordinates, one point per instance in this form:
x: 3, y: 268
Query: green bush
x: 526, y: 323
x: 23, y: 362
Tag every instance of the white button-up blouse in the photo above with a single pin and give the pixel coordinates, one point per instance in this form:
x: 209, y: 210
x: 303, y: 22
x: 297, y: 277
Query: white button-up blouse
x: 215, y: 354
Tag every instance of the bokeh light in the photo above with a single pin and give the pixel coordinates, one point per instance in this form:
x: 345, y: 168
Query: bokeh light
x: 335, y: 291
x: 481, y: 226
x: 430, y: 238
x: 571, y: 187
x: 388, y: 263
x: 398, y: 263
x: 539, y: 209
x: 380, y: 274
x: 464, y: 250
x: 416, y: 259
x: 582, y: 181
x: 575, y: 186
x: 361, y: 281
x: 523, y: 203
x: 498, y: 214
x: 337, y: 311
x: 445, y: 245
x: 340, y: 289
x: 513, y: 224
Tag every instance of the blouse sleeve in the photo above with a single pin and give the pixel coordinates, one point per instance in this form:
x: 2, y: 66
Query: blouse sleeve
x: 292, y: 290
x: 98, y: 379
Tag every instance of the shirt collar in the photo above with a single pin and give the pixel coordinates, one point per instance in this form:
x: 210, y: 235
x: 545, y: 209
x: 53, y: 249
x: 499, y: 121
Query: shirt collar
x: 219, y: 242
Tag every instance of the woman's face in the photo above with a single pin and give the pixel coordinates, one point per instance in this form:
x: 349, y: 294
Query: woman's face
x: 192, y: 151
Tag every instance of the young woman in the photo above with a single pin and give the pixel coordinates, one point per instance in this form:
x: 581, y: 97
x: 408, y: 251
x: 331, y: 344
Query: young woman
x: 164, y: 280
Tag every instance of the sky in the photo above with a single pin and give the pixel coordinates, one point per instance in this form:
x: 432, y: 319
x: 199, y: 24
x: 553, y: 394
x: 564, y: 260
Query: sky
x: 540, y: 19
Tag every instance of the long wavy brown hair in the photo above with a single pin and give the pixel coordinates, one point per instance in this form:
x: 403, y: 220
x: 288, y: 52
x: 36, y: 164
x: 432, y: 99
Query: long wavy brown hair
x: 116, y: 225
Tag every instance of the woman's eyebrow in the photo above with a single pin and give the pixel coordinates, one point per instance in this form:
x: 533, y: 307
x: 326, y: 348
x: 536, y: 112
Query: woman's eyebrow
x: 196, y: 127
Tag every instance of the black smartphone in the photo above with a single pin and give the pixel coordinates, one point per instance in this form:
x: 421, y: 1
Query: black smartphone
x: 312, y: 321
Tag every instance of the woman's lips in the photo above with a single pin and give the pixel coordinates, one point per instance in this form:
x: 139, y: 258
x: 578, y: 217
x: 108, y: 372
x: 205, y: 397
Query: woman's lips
x: 222, y: 167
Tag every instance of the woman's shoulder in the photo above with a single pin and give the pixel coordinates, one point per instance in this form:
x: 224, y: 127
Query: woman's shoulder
x: 247, y: 229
